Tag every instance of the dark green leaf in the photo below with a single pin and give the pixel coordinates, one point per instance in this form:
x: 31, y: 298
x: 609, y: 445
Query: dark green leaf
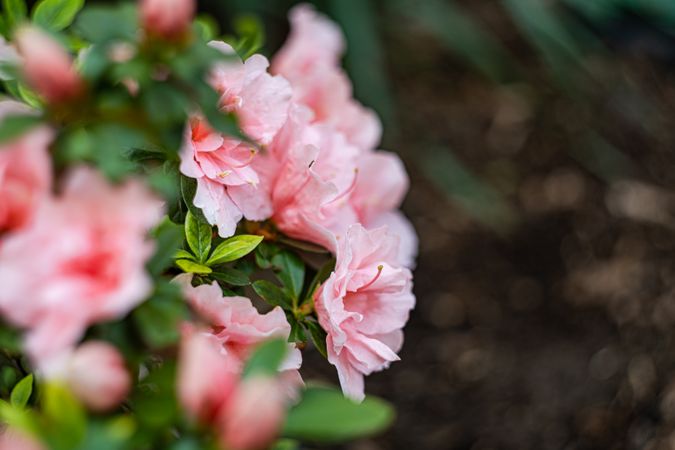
x: 272, y: 294
x: 14, y: 126
x: 56, y: 14
x: 291, y: 272
x: 302, y: 245
x: 266, y: 358
x: 234, y: 248
x: 318, y: 336
x: 198, y: 234
x: 169, y: 237
x: 188, y: 188
x: 158, y: 319
x: 230, y: 276
x: 297, y: 332
x: 321, y: 276
x: 154, y: 400
x: 103, y: 24
x: 324, y: 415
x: 22, y: 391
x: 264, y: 254
x: 251, y: 35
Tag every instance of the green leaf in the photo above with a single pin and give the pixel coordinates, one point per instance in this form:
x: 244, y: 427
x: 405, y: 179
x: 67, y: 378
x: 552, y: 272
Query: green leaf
x: 302, y: 245
x: 169, y: 236
x: 321, y: 276
x: 183, y: 254
x: 264, y: 254
x: 234, y: 248
x: 291, y: 272
x: 65, y: 416
x: 104, y: 24
x: 188, y: 189
x: 272, y: 294
x: 56, y: 15
x: 15, y: 12
x: 266, y: 358
x: 325, y: 416
x: 198, y: 234
x: 318, y: 336
x: 230, y: 276
x: 192, y: 267
x: 158, y: 319
x: 297, y: 332
x: 28, y: 96
x: 207, y: 27
x: 22, y: 391
x: 251, y: 35
x: 154, y: 400
x: 14, y: 126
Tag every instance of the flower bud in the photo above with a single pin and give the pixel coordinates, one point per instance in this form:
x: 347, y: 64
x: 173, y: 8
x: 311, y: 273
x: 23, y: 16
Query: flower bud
x: 47, y: 66
x: 97, y: 376
x: 12, y: 439
x: 167, y: 19
x: 254, y: 415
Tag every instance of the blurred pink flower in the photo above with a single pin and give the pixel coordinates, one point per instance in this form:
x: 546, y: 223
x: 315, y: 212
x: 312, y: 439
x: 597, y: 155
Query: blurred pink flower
x: 12, y: 439
x: 310, y: 60
x: 247, y: 413
x: 47, y: 66
x: 363, y: 306
x: 254, y: 415
x: 97, y: 375
x: 25, y: 172
x: 237, y: 324
x: 227, y: 184
x: 81, y: 260
x: 167, y: 19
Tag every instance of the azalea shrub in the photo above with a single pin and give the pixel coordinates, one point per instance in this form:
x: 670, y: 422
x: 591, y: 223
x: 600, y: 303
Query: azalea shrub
x: 180, y: 220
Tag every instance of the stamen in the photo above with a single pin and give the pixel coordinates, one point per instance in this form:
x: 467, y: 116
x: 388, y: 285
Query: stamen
x: 247, y: 162
x: 224, y: 174
x: 377, y: 275
x: 347, y: 191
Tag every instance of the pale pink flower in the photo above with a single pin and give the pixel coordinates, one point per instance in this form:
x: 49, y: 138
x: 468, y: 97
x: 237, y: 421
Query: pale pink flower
x: 97, y: 376
x: 167, y: 19
x: 25, y: 172
x: 237, y: 324
x: 81, y: 260
x: 12, y: 439
x: 255, y: 414
x: 47, y: 67
x: 227, y: 184
x: 363, y: 306
x: 310, y: 60
x: 247, y: 413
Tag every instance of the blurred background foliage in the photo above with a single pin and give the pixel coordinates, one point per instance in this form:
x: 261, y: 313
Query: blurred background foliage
x: 539, y: 135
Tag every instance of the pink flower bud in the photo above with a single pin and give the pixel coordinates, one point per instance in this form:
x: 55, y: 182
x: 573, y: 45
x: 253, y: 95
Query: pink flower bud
x: 97, y: 376
x: 12, y: 439
x: 254, y: 415
x: 167, y: 19
x: 47, y: 66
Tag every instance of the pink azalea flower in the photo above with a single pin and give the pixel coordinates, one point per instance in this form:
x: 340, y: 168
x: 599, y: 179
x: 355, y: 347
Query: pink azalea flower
x: 13, y: 439
x: 363, y: 306
x: 97, y: 375
x: 81, y: 260
x: 227, y: 183
x: 168, y: 19
x: 47, y: 66
x: 25, y: 172
x: 238, y: 326
x: 310, y: 60
x: 247, y: 413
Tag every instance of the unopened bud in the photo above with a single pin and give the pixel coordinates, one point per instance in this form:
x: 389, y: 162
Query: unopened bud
x: 167, y: 19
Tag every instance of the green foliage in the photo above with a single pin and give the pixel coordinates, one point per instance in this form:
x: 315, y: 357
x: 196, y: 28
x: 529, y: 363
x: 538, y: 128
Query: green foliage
x: 103, y: 24
x: 318, y: 336
x: 231, y: 276
x: 266, y: 358
x: 291, y: 273
x: 273, y: 294
x: 198, y: 234
x: 56, y: 15
x: 158, y: 319
x: 251, y: 35
x: 14, y: 126
x: 65, y: 420
x: 234, y: 248
x: 15, y: 13
x: 169, y: 237
x: 189, y: 266
x: 22, y: 392
x: 325, y: 416
x: 154, y: 399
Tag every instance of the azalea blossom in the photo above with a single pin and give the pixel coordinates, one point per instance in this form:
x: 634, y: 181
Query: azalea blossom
x: 168, y: 19
x: 25, y: 172
x: 247, y: 414
x: 363, y: 306
x: 47, y: 66
x: 238, y: 326
x: 227, y: 184
x: 81, y: 260
x: 310, y: 60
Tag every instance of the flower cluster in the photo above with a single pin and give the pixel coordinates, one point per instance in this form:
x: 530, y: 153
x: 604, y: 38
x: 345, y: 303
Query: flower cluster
x: 279, y: 158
